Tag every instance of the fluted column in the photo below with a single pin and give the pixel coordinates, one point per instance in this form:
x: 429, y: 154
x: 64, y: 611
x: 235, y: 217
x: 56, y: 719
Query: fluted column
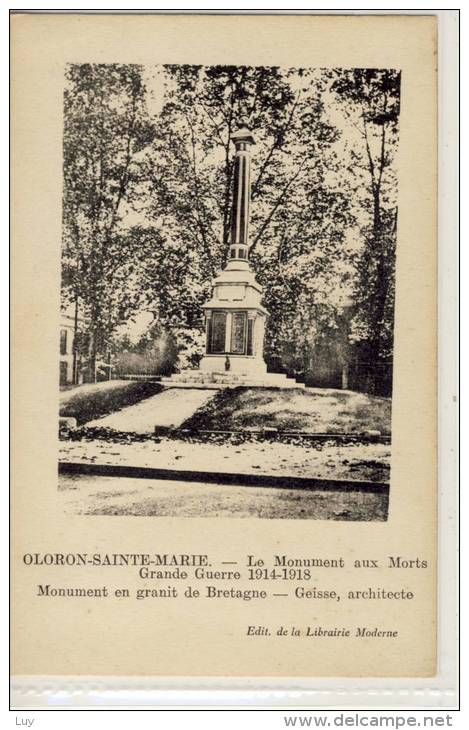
x: 239, y: 239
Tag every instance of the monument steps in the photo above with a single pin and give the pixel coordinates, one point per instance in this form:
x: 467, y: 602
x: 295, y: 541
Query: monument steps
x: 218, y: 380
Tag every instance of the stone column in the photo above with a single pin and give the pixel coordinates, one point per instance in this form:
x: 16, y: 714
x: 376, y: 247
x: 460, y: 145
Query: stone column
x: 208, y: 322
x: 239, y: 239
x: 229, y: 322
x: 260, y: 331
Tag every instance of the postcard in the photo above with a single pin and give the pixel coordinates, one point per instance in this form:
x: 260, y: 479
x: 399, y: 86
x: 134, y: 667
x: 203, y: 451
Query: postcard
x: 224, y: 345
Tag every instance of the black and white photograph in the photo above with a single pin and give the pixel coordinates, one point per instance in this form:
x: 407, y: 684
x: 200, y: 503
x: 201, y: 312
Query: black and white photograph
x: 227, y: 291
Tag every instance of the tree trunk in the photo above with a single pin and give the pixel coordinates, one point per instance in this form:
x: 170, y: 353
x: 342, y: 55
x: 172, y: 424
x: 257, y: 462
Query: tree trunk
x: 75, y: 336
x: 345, y: 371
x: 92, y: 358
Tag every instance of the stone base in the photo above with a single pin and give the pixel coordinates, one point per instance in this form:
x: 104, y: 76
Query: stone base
x: 218, y: 380
x: 239, y: 364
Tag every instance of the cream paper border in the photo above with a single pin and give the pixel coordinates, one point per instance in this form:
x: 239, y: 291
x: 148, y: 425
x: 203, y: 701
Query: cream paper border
x: 174, y: 640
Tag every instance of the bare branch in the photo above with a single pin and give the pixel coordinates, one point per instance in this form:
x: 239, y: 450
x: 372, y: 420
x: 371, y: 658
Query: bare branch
x: 198, y: 217
x: 276, y: 205
x: 275, y: 146
x: 383, y: 146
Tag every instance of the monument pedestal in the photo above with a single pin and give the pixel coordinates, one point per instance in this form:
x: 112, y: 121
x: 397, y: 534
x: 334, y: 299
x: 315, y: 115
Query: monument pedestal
x: 235, y: 323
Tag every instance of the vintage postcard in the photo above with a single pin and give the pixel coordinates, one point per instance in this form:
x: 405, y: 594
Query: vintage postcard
x: 224, y: 345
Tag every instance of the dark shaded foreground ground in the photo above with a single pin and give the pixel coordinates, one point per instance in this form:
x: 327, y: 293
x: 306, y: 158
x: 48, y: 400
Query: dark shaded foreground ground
x: 88, y: 495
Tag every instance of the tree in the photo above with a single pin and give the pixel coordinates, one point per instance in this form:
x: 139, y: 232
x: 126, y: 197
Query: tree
x: 371, y: 101
x: 298, y: 220
x: 147, y: 203
x: 105, y: 129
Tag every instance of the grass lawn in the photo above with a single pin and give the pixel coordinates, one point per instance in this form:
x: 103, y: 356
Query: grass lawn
x: 90, y: 401
x: 315, y: 410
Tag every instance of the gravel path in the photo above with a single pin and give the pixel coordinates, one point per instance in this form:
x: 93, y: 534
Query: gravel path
x: 85, y: 495
x: 169, y: 408
x: 369, y: 461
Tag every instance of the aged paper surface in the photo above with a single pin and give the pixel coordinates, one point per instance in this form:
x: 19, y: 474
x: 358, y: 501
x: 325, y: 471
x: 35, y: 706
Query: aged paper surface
x: 275, y: 634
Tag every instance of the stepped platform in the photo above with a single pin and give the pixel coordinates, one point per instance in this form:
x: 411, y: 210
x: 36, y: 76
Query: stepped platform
x: 219, y: 380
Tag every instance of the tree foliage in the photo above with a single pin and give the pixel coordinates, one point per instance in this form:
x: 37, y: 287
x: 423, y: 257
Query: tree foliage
x: 298, y: 219
x: 105, y: 128
x: 147, y: 202
x: 371, y: 100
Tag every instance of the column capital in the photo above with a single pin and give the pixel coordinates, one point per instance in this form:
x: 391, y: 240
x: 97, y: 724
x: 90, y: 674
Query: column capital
x: 243, y: 135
